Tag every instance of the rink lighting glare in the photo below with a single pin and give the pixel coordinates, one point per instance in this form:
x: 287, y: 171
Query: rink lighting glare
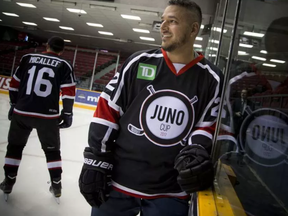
x: 0, y: 20
x: 268, y: 65
x: 66, y: 28
x: 212, y: 55
x: 73, y: 10
x: 213, y: 48
x: 214, y: 41
x: 30, y: 23
x: 67, y: 41
x: 130, y: 17
x: 26, y: 5
x: 253, y: 34
x: 263, y: 51
x: 242, y: 53
x: 197, y: 45
x: 147, y: 38
x: 245, y: 45
x: 105, y: 33
x: 51, y: 19
x: 202, y: 27
x: 199, y: 38
x: 258, y: 58
x: 10, y: 14
x: 141, y: 30
x: 94, y: 24
x: 219, y: 29
x: 277, y: 61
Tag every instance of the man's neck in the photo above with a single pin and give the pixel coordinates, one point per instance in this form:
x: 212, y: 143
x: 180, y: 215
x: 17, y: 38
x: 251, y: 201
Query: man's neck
x: 182, y: 56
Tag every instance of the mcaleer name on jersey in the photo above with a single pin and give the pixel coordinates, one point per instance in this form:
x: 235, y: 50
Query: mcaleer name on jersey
x: 148, y: 112
x: 44, y: 61
x: 36, y: 84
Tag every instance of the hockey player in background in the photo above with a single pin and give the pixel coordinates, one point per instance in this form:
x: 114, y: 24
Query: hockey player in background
x: 153, y: 127
x: 34, y: 97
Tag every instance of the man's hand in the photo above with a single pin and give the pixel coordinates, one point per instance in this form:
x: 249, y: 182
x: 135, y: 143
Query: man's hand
x: 10, y: 113
x: 65, y: 120
x: 195, y: 169
x: 95, y: 177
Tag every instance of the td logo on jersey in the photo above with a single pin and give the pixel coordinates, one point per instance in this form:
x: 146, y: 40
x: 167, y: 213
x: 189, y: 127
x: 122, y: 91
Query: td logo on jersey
x: 166, y: 117
x: 146, y: 71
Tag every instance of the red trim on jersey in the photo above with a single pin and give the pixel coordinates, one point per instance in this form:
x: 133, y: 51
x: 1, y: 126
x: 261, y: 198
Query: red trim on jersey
x: 185, y: 68
x: 53, y: 53
x: 14, y: 83
x: 104, y: 111
x: 69, y: 91
x: 210, y: 130
x: 53, y: 168
x: 147, y: 197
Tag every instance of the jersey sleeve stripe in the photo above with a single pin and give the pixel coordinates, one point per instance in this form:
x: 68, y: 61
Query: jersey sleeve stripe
x: 217, y: 89
x: 68, y: 85
x: 69, y: 91
x: 15, y: 77
x: 105, y: 139
x: 202, y: 132
x: 104, y: 111
x: 110, y: 103
x: 14, y: 84
x: 105, y: 122
x: 13, y: 89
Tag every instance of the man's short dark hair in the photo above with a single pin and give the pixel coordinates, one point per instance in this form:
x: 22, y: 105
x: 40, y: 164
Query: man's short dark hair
x: 190, y: 6
x: 56, y: 44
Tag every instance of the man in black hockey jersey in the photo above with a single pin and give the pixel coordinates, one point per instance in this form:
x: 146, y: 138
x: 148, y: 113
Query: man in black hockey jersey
x: 153, y: 128
x: 34, y: 97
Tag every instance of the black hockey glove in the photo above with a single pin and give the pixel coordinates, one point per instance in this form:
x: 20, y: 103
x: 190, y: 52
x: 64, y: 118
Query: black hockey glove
x: 10, y: 113
x: 65, y: 120
x: 195, y: 169
x: 95, y: 177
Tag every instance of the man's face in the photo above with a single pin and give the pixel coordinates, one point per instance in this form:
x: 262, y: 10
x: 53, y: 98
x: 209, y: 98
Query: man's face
x: 175, y: 28
x: 244, y: 94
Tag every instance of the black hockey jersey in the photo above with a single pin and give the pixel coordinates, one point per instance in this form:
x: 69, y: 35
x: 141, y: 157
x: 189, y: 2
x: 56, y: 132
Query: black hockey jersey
x: 36, y: 84
x: 147, y: 113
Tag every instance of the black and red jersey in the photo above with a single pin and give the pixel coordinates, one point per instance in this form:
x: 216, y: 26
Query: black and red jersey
x: 37, y: 82
x: 148, y: 112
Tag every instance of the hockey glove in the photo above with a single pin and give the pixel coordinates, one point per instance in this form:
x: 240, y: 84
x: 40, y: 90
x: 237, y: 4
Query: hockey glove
x: 65, y: 120
x: 95, y: 177
x: 195, y: 169
x: 10, y: 113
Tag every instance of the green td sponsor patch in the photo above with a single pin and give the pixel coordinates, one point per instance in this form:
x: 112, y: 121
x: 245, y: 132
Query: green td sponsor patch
x: 146, y: 71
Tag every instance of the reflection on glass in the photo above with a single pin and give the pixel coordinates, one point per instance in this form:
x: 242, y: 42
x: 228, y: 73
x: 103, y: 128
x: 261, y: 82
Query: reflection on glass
x: 253, y: 138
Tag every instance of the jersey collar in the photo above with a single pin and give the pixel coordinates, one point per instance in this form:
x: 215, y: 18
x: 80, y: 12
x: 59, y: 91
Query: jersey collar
x: 185, y: 68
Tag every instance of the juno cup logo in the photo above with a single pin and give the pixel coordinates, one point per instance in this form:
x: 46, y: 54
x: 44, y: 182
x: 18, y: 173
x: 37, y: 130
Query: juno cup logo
x: 166, y: 117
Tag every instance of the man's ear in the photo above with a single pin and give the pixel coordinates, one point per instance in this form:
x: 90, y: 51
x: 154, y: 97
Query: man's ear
x: 195, y: 29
